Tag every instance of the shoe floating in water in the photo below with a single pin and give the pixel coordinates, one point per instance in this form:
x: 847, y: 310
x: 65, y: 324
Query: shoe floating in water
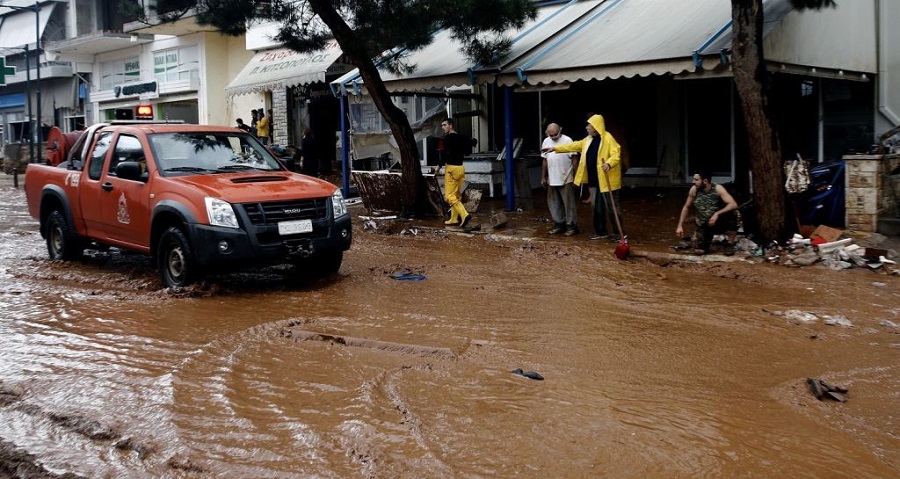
x: 408, y: 276
x: 529, y: 374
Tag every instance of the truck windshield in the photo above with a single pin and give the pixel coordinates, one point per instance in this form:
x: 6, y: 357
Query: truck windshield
x: 209, y: 153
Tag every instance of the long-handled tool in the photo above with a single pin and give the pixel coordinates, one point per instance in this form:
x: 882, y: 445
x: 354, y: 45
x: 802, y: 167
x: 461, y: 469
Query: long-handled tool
x: 622, y: 249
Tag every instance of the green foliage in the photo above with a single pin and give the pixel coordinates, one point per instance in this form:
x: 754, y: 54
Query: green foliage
x: 378, y: 25
x: 130, y: 9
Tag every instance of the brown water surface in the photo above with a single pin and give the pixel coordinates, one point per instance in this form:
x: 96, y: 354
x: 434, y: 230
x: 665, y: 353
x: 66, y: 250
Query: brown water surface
x: 651, y: 369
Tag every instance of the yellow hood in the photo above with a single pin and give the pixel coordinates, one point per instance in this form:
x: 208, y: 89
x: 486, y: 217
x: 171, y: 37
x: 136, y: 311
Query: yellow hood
x: 598, y: 123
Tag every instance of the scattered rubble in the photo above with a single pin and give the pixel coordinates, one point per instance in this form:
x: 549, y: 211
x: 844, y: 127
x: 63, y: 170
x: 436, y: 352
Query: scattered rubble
x: 838, y: 320
x: 822, y: 390
x: 887, y: 323
x: 797, y: 316
x: 528, y: 374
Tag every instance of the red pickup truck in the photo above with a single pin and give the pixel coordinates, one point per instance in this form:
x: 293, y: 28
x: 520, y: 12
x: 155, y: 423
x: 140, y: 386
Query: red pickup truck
x: 196, y: 198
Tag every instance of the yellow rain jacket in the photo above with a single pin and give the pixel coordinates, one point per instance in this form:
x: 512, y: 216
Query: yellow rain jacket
x: 609, y: 152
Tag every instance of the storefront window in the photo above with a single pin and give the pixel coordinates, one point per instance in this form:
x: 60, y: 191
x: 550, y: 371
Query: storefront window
x: 177, y: 64
x: 118, y: 72
x: 366, y: 118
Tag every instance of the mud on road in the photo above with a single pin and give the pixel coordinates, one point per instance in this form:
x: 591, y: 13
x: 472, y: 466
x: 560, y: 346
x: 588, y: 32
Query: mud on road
x: 652, y: 369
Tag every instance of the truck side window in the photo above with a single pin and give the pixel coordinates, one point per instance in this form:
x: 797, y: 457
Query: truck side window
x: 128, y: 148
x: 95, y: 168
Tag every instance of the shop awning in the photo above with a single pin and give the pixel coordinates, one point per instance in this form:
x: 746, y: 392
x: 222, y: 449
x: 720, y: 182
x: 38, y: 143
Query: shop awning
x: 626, y: 38
x: 19, y: 29
x: 585, y: 40
x: 279, y: 68
x: 442, y: 64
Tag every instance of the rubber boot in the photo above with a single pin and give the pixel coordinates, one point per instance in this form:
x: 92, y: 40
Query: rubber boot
x: 460, y: 210
x: 454, y: 218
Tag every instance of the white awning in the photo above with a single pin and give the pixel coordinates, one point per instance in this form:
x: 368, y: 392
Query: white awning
x: 585, y: 40
x: 272, y: 69
x: 442, y: 64
x: 18, y: 29
x: 632, y: 38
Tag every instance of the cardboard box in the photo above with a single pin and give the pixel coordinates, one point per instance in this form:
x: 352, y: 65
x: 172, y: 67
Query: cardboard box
x: 826, y: 233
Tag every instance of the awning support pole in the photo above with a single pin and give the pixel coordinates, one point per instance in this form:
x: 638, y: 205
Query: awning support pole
x: 508, y: 139
x: 345, y: 149
x: 37, y: 88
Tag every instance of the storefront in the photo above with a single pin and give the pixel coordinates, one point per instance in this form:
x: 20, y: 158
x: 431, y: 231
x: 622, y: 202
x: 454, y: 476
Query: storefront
x: 169, y: 85
x: 294, y: 86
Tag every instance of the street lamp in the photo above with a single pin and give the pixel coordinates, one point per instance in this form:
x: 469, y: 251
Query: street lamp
x: 37, y: 34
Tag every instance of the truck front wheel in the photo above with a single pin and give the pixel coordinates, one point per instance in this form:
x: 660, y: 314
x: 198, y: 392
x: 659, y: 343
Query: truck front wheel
x: 330, y: 263
x: 176, y: 260
x: 61, y: 243
x: 320, y: 265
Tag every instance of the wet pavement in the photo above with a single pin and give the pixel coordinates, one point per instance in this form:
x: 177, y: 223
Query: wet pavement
x: 651, y: 367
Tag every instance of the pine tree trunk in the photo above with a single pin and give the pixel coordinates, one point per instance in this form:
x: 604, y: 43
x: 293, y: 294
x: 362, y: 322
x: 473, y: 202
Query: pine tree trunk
x: 413, y: 197
x: 750, y: 79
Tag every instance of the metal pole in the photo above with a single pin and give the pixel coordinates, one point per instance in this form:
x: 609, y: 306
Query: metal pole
x: 28, y: 94
x: 345, y: 148
x: 508, y: 138
x: 37, y: 34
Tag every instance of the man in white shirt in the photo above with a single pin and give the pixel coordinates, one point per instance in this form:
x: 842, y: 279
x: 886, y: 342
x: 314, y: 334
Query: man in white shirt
x: 557, y: 176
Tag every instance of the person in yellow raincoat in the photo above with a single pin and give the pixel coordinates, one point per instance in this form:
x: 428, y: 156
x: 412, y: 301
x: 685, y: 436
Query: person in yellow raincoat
x: 600, y: 168
x: 262, y: 127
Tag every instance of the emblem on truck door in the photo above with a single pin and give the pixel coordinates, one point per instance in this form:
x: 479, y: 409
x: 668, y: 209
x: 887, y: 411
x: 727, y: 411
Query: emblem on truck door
x: 122, y: 215
x: 72, y: 179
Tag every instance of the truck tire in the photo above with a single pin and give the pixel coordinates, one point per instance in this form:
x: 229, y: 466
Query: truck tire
x: 61, y: 243
x: 177, y: 267
x: 329, y: 264
x: 320, y: 265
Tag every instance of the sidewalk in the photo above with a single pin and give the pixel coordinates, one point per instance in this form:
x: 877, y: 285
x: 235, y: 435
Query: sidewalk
x: 650, y: 216
x: 8, y: 180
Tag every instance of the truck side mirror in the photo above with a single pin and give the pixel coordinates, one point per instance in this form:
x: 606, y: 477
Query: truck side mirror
x: 129, y: 170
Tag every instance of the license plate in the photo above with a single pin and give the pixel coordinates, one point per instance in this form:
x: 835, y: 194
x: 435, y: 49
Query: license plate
x: 294, y: 227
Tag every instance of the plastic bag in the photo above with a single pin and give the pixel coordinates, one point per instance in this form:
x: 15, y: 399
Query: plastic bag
x: 797, y: 173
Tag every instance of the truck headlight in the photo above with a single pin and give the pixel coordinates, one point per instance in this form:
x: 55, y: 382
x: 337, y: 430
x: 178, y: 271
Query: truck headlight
x: 337, y: 204
x: 220, y: 213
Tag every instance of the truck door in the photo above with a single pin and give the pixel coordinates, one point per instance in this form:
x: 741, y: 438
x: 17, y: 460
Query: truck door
x: 90, y: 191
x: 124, y: 206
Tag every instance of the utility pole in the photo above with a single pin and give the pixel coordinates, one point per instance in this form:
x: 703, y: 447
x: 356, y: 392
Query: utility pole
x: 37, y: 34
x: 37, y: 86
x: 28, y: 95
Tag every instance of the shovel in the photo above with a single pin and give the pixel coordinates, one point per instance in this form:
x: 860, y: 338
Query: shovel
x: 622, y: 249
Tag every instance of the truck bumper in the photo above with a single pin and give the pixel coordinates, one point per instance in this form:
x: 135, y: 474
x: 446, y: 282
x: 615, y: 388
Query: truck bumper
x: 219, y: 247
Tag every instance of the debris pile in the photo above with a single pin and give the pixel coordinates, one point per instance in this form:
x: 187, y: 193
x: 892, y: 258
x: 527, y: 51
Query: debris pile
x: 826, y: 246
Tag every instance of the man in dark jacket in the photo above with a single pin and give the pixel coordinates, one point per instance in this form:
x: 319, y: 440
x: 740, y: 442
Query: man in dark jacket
x: 455, y: 147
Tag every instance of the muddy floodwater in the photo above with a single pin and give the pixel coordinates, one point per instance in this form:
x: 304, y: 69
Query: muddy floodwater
x: 652, y: 369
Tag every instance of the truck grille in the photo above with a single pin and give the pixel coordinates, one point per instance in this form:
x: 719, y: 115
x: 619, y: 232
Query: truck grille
x: 272, y: 213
